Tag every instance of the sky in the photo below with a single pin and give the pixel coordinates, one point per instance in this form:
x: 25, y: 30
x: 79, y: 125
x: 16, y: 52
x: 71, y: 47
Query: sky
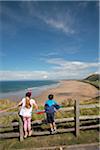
x: 48, y: 39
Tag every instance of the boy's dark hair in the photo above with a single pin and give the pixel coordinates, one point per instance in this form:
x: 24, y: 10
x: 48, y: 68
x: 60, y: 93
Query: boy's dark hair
x: 28, y: 94
x: 50, y: 96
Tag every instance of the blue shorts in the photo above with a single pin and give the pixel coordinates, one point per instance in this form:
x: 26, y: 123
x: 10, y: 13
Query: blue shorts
x: 50, y: 117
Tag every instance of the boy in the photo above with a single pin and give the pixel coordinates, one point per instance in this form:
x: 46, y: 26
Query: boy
x: 50, y: 108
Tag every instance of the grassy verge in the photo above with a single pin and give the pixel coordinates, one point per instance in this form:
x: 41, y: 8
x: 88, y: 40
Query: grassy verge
x: 94, y: 83
x: 6, y: 120
x: 51, y: 140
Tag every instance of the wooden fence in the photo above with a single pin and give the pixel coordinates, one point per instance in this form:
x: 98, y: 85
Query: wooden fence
x: 76, y: 119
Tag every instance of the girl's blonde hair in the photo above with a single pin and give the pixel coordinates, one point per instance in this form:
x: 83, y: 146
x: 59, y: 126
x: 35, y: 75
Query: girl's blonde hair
x: 28, y: 95
x: 27, y: 105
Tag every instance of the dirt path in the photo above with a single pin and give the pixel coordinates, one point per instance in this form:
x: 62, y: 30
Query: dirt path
x: 70, y: 89
x: 93, y: 146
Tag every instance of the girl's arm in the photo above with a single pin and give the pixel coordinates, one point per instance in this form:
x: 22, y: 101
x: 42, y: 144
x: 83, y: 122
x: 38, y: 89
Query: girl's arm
x: 20, y: 103
x: 36, y: 106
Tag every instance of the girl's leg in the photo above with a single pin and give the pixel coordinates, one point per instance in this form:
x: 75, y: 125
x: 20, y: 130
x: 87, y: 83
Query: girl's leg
x: 25, y: 126
x: 29, y: 125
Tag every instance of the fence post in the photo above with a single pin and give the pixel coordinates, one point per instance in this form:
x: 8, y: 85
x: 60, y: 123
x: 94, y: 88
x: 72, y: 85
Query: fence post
x: 77, y: 114
x: 21, y: 133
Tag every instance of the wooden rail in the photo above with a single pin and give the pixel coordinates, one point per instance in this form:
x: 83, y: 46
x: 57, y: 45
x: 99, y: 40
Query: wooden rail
x: 62, y: 109
x: 77, y: 118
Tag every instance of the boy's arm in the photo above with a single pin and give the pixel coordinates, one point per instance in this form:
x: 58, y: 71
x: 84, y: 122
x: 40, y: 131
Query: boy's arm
x: 46, y: 107
x: 56, y: 105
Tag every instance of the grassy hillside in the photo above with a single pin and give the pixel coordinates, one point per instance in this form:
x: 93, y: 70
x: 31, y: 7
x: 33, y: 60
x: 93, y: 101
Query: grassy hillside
x: 51, y: 140
x: 57, y: 139
x: 88, y: 136
x: 94, y: 80
x: 93, y: 77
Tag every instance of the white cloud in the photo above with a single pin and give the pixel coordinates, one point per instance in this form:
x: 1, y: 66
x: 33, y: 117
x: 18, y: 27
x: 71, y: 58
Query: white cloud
x: 73, y: 65
x: 23, y: 75
x: 61, y: 20
x: 50, y: 54
x: 61, y: 69
x: 58, y: 24
x: 71, y: 69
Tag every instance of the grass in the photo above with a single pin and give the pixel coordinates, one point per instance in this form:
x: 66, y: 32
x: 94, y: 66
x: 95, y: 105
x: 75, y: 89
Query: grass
x: 4, y: 104
x: 51, y: 140
x: 93, y: 79
x: 8, y: 119
x: 94, y: 83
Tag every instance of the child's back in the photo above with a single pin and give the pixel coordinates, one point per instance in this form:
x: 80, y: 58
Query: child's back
x: 50, y: 106
x: 50, y: 109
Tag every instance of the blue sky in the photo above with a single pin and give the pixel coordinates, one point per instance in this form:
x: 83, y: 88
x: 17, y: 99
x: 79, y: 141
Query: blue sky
x: 48, y: 40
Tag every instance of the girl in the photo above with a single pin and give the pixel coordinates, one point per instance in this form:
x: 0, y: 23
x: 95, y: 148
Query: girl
x: 26, y: 112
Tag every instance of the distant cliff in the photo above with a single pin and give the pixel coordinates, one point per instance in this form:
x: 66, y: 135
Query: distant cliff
x: 93, y: 79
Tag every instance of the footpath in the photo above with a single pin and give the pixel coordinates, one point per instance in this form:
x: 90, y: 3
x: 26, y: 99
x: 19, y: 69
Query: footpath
x: 93, y: 146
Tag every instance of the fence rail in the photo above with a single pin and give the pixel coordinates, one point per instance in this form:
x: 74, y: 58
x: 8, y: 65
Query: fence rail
x: 62, y: 109
x: 77, y: 118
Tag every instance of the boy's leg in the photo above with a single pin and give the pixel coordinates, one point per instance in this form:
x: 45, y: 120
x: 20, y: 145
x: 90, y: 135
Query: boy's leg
x: 53, y: 122
x: 51, y: 127
x: 50, y: 122
x: 54, y: 126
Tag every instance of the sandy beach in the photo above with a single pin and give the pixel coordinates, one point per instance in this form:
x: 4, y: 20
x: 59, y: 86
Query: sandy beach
x: 63, y: 92
x: 69, y: 89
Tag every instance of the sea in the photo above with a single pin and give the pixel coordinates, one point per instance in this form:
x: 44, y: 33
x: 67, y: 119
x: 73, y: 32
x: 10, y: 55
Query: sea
x: 17, y: 89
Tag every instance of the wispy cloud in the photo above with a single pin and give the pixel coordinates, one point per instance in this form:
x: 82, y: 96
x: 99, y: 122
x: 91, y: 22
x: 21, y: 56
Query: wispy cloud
x: 61, y: 69
x: 50, y: 54
x: 71, y: 69
x: 62, y: 50
x: 58, y: 24
x: 23, y: 75
x: 69, y: 64
x: 60, y: 20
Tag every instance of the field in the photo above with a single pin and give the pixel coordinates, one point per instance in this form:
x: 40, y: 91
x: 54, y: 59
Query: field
x: 51, y: 140
x: 86, y: 136
x: 89, y: 136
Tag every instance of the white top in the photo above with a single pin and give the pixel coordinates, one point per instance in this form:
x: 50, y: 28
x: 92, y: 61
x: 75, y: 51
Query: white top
x: 27, y: 112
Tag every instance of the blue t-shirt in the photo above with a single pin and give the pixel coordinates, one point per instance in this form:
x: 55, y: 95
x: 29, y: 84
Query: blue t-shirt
x: 51, y: 106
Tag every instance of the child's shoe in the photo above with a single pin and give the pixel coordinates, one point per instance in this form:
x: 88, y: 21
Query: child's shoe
x: 55, y: 130
x: 30, y: 133
x: 26, y: 134
x: 51, y: 131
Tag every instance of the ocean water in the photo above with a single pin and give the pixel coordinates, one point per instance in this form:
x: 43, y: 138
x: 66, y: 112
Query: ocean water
x: 19, y: 88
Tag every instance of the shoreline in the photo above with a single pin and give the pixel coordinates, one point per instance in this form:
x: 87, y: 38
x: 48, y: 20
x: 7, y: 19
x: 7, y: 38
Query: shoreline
x: 62, y: 91
x: 69, y: 90
x: 18, y: 95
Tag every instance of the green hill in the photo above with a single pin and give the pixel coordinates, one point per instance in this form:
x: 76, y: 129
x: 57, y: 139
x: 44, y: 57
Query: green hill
x: 93, y: 79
